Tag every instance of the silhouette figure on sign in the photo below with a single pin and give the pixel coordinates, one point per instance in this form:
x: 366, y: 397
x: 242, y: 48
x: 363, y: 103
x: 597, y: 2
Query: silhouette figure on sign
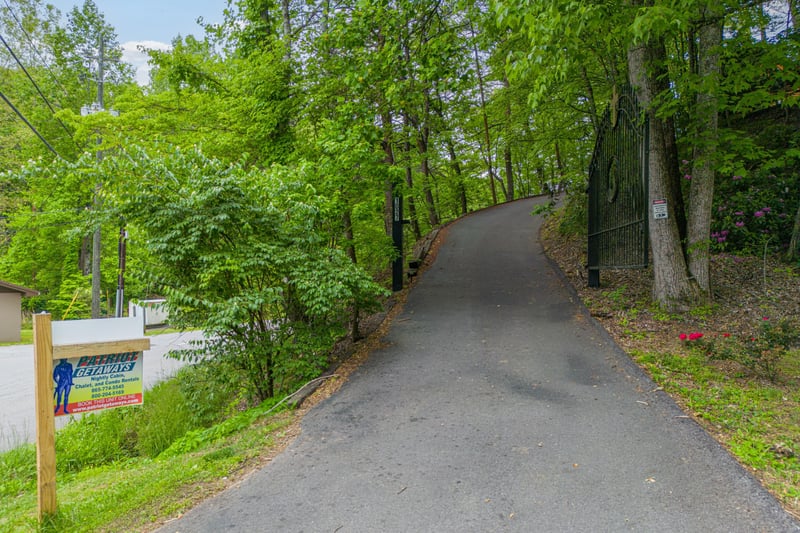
x: 62, y: 375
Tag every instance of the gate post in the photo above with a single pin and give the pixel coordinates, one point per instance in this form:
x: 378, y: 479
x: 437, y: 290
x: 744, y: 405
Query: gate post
x: 397, y: 239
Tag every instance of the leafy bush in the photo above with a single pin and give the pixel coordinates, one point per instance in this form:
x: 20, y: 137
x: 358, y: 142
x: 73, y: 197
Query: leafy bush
x: 760, y: 352
x: 753, y: 213
x: 575, y: 219
x: 242, y: 254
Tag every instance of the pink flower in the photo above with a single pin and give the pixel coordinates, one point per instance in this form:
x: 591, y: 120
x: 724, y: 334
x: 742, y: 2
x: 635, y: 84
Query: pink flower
x: 683, y: 336
x: 694, y: 336
x: 739, y: 224
x: 687, y: 177
x: 726, y: 335
x: 758, y: 214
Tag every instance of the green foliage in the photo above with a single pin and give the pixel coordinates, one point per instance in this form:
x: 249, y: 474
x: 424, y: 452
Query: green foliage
x: 18, y: 469
x: 575, y: 218
x: 169, y: 415
x: 198, y: 438
x: 754, y: 214
x: 241, y: 255
x: 545, y: 210
x: 761, y: 352
x: 112, y: 436
x: 95, y: 439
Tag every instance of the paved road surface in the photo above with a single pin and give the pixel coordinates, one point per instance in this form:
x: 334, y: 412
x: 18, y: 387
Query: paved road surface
x: 17, y: 408
x: 497, y: 406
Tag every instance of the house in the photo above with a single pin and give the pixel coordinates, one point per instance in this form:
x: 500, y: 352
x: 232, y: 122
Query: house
x: 11, y: 310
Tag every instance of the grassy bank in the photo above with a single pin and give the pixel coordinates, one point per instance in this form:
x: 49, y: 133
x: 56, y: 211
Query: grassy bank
x: 128, y: 468
x: 747, y: 394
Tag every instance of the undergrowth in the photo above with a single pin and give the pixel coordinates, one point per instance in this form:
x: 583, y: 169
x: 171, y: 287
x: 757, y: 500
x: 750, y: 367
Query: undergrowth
x: 116, y: 464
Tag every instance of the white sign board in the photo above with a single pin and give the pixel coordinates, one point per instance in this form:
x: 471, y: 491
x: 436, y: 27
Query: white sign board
x: 660, y: 209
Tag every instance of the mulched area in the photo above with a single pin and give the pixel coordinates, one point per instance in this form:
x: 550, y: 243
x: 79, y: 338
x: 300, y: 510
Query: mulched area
x: 745, y: 290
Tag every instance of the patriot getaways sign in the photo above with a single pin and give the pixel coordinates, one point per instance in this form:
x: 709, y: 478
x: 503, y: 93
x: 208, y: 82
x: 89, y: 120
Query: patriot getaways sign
x: 93, y: 382
x: 85, y: 380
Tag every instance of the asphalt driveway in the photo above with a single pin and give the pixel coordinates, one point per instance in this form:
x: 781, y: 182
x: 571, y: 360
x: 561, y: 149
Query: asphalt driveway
x: 497, y: 405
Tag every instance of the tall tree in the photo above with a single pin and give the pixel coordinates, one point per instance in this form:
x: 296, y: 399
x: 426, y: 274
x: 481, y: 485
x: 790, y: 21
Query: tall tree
x: 703, y: 174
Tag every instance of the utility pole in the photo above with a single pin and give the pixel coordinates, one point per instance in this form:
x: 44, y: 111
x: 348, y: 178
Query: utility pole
x: 96, y: 237
x: 123, y: 237
x: 98, y: 107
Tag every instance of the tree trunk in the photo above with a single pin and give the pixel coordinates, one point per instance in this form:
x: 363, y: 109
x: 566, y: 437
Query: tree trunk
x: 412, y: 205
x: 287, y: 20
x: 509, y: 174
x: 486, y: 137
x: 590, y: 98
x: 423, y: 136
x: 701, y: 193
x: 350, y: 250
x: 794, y: 243
x: 561, y: 171
x: 451, y: 152
x: 672, y: 288
x: 388, y: 189
x: 507, y: 149
x: 462, y: 190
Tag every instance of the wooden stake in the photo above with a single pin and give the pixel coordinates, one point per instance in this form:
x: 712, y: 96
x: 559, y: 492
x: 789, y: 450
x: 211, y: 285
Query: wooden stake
x: 45, y: 417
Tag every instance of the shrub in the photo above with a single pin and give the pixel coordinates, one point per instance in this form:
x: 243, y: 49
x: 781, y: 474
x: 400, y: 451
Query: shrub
x: 760, y: 352
x: 751, y: 213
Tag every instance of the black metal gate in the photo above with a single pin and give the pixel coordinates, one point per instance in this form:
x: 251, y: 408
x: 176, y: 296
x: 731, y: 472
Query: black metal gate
x: 618, y: 189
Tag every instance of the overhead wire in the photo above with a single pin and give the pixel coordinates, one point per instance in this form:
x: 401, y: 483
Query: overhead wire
x: 27, y: 122
x: 36, y: 85
x: 35, y: 49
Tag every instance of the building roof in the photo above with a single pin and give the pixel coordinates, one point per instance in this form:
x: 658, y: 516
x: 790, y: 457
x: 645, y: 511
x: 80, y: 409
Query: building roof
x: 10, y: 287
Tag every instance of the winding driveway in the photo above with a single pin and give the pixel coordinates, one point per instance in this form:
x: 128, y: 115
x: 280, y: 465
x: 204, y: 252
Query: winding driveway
x: 497, y: 405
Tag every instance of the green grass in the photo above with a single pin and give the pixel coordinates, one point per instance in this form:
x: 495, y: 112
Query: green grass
x: 128, y: 494
x: 121, y: 469
x: 755, y: 419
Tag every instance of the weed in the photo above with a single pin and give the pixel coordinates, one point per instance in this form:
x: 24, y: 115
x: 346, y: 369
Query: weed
x: 702, y: 312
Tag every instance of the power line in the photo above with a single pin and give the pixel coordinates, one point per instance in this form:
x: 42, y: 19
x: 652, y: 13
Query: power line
x: 38, y: 90
x: 25, y: 120
x: 34, y: 48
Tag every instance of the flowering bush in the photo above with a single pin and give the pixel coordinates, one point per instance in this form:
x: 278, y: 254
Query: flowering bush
x: 751, y: 212
x: 760, y: 352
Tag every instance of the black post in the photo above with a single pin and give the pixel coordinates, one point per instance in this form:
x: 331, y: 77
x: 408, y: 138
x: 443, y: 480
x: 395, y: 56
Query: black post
x: 123, y: 235
x: 397, y: 239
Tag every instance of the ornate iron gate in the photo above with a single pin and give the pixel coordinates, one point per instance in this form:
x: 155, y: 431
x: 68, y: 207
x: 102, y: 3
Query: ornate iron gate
x: 618, y: 189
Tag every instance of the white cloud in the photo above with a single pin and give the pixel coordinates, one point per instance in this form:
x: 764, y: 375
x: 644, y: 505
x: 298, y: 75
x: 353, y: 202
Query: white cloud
x: 132, y: 55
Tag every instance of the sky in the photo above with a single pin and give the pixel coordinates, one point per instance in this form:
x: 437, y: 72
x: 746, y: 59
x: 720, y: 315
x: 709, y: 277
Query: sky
x: 152, y: 23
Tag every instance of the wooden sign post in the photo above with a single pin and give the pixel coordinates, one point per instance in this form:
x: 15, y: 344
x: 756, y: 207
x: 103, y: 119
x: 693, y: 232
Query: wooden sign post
x: 107, y: 356
x: 45, y: 419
